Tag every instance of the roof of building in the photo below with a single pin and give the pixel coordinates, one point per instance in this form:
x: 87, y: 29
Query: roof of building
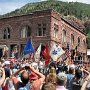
x: 72, y: 23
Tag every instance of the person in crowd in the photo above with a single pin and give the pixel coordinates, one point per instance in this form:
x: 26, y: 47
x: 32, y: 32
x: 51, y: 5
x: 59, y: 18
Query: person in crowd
x: 41, y: 67
x: 51, y: 77
x: 52, y: 64
x: 2, y: 77
x: 48, y: 86
x: 25, y: 80
x: 78, y: 80
x: 70, y: 75
x: 33, y: 77
x: 85, y: 83
x: 59, y: 67
x: 7, y: 69
x: 61, y: 81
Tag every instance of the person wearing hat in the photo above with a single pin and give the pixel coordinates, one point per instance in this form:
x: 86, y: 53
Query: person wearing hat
x: 7, y: 69
x: 61, y: 81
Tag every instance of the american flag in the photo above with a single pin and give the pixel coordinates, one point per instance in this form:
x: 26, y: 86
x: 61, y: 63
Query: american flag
x: 68, y: 53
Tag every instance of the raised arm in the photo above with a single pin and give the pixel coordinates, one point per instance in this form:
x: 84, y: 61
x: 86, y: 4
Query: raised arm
x: 41, y: 76
x: 3, y: 76
x: 13, y: 76
x: 18, y: 71
x: 85, y: 83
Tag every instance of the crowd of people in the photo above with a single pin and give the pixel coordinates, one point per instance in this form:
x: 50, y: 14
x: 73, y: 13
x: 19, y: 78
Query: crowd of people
x: 26, y: 74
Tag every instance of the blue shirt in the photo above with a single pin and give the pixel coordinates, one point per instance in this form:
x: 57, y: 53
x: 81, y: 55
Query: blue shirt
x: 69, y: 78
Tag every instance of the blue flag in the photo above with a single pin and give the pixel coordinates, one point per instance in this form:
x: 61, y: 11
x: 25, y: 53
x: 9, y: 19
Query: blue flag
x: 28, y: 49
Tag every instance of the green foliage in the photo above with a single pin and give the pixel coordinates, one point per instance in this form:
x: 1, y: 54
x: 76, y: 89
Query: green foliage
x: 79, y: 10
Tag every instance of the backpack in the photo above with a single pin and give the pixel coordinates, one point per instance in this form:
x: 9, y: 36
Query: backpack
x: 26, y: 87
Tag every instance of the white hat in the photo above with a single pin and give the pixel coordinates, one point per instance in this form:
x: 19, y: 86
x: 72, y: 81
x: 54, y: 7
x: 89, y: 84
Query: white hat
x: 7, y: 62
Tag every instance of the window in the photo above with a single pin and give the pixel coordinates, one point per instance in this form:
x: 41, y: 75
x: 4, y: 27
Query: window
x: 41, y: 30
x: 64, y: 36
x: 78, y: 41
x: 6, y: 33
x: 84, y: 43
x: 72, y: 39
x: 55, y: 31
x: 25, y: 32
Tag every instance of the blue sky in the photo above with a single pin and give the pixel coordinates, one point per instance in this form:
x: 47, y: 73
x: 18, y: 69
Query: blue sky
x: 10, y: 5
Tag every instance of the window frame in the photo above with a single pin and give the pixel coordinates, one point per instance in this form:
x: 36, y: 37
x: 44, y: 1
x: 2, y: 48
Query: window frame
x: 64, y: 36
x: 56, y: 29
x: 79, y: 41
x: 25, y: 30
x: 43, y: 28
x: 72, y: 39
x: 7, y: 33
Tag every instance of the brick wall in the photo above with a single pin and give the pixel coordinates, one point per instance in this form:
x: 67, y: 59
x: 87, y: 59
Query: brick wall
x: 49, y: 17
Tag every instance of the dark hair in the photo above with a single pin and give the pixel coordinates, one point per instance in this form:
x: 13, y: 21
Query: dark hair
x: 78, y: 73
x: 60, y: 82
x: 52, y: 64
x: 71, y: 70
x: 24, y: 79
x: 7, y: 72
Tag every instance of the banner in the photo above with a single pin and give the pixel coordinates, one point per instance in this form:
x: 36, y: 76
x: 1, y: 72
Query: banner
x: 56, y: 52
x: 28, y: 49
x: 37, y: 53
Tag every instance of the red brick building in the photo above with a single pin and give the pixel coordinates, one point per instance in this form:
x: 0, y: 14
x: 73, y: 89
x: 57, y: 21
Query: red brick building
x: 45, y: 26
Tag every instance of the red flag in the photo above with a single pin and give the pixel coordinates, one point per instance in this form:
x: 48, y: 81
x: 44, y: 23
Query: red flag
x: 46, y: 54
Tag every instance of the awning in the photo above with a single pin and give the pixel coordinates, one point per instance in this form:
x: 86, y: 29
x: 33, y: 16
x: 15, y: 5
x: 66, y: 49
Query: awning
x: 88, y: 52
x: 2, y: 46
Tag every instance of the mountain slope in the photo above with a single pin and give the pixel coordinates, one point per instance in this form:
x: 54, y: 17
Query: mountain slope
x: 79, y: 10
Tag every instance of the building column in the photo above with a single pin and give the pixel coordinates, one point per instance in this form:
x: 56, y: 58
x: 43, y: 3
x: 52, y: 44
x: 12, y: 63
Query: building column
x: 8, y: 52
x: 19, y: 49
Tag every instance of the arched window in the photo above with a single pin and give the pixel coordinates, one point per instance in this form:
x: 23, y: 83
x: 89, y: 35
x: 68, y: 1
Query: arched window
x: 72, y: 39
x: 84, y: 43
x: 6, y: 34
x: 78, y: 41
x: 25, y: 32
x: 64, y: 36
x: 56, y: 31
